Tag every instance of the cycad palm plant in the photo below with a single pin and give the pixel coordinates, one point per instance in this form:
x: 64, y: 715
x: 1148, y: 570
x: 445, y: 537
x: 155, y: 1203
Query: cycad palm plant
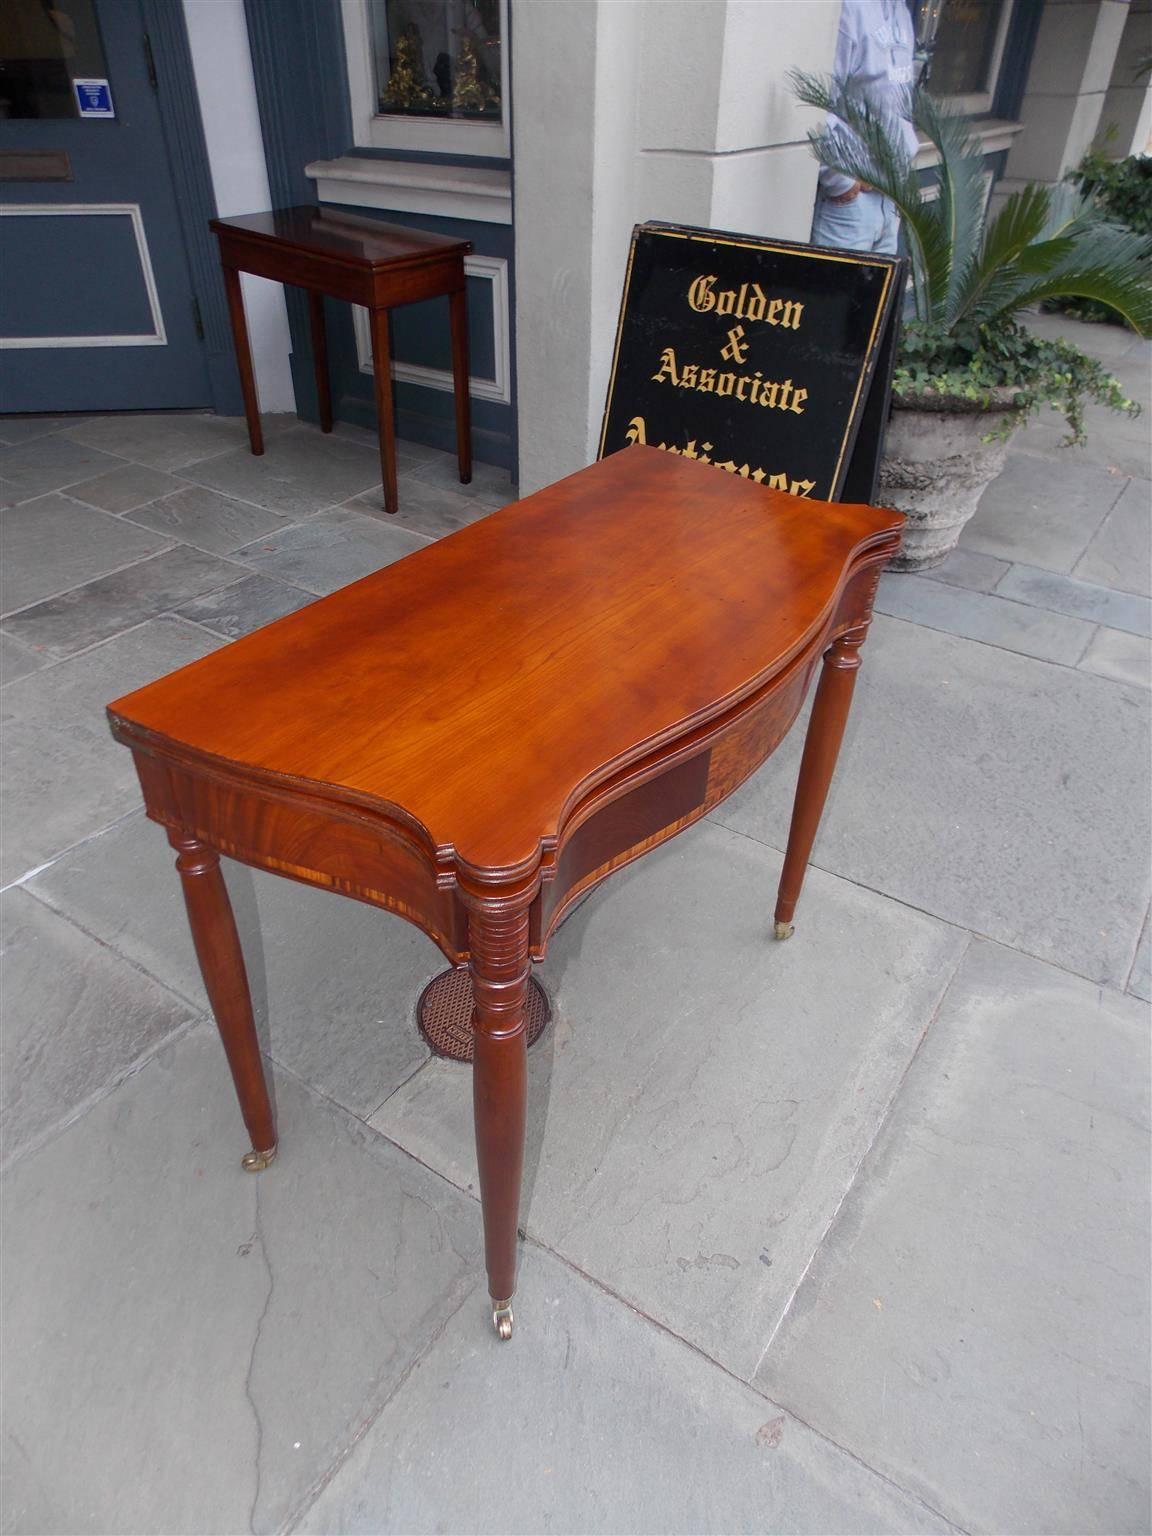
x: 972, y: 277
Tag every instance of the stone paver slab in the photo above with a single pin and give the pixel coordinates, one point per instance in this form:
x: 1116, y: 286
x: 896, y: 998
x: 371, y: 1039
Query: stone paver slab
x: 122, y: 489
x: 15, y: 430
x: 208, y: 520
x: 1041, y: 511
x: 1000, y: 793
x: 327, y: 552
x: 1140, y: 981
x: 334, y: 982
x: 1050, y: 591
x: 968, y: 568
x: 244, y: 606
x: 706, y: 1092
x: 48, y: 464
x: 1120, y: 555
x: 51, y: 544
x: 206, y: 1342
x: 1012, y: 626
x: 489, y: 482
x: 169, y: 440
x: 618, y: 1428
x: 75, y: 1019
x: 1124, y: 658
x: 16, y: 660
x: 104, y: 607
x: 299, y: 473
x: 64, y: 776
x: 976, y: 1324
x: 431, y: 510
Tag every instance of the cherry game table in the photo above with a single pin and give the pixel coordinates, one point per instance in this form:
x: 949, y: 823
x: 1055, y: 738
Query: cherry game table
x: 368, y: 262
x: 475, y: 736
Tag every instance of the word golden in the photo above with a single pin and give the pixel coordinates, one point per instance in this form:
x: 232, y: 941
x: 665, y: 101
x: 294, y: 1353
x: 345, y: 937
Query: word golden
x: 748, y: 302
x: 638, y: 433
x: 752, y: 388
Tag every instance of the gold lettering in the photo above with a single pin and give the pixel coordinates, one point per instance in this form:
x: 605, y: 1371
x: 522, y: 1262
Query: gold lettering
x: 768, y: 393
x: 755, y: 310
x: 792, y: 313
x: 707, y: 379
x: 700, y: 295
x: 773, y: 310
x: 667, y: 367
x: 725, y: 383
x: 741, y: 384
x: 688, y: 376
x: 803, y: 487
x: 798, y: 398
x: 735, y: 350
x: 635, y: 432
x: 777, y: 482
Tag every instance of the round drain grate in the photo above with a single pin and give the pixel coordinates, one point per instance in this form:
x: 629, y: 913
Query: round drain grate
x: 444, y: 1013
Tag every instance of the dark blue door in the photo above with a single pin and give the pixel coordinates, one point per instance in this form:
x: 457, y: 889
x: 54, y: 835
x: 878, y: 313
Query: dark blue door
x: 96, y: 306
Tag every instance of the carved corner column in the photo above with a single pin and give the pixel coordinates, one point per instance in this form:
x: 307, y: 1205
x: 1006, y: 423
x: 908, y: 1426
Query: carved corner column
x: 821, y: 749
x: 226, y: 982
x: 498, y: 929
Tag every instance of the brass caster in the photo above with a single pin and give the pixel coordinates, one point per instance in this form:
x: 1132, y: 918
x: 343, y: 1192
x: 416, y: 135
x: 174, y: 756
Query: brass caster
x: 254, y: 1162
x: 502, y: 1318
x: 785, y: 930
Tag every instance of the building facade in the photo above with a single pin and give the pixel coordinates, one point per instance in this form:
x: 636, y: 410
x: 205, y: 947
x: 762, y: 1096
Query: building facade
x: 541, y: 132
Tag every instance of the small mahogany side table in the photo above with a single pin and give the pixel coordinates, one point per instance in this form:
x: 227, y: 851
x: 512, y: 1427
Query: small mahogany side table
x: 366, y: 262
x: 477, y: 735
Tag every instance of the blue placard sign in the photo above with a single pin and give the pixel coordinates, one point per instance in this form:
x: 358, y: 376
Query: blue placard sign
x: 94, y: 98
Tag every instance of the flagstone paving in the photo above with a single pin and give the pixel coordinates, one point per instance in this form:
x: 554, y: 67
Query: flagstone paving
x: 844, y: 1234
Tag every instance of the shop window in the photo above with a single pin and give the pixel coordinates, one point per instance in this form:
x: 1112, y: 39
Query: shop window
x: 969, y: 51
x: 429, y: 74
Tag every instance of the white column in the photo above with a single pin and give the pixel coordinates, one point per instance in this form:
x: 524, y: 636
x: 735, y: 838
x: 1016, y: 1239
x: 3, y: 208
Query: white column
x: 1070, y: 72
x: 627, y: 110
x: 1126, y: 117
x: 222, y: 63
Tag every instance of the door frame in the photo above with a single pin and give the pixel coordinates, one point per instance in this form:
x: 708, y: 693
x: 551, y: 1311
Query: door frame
x: 178, y: 102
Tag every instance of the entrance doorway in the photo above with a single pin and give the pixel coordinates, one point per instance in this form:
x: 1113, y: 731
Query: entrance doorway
x: 97, y: 308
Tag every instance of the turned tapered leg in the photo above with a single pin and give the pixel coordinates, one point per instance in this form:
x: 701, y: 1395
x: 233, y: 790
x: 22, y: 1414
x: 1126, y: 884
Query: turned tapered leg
x: 320, y: 358
x: 226, y: 981
x: 244, y: 358
x: 500, y: 967
x: 458, y: 311
x: 821, y: 748
x: 385, y: 418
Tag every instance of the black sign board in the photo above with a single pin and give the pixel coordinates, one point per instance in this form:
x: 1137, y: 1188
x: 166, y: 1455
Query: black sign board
x: 768, y: 359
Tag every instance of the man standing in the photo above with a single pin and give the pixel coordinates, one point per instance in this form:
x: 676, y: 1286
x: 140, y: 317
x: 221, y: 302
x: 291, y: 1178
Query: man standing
x: 875, y: 53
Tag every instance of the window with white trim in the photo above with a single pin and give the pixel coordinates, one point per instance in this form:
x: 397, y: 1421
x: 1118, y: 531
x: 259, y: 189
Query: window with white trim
x: 969, y: 52
x: 428, y: 74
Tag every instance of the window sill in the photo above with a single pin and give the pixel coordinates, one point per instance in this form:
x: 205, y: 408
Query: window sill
x: 406, y: 186
x: 993, y: 134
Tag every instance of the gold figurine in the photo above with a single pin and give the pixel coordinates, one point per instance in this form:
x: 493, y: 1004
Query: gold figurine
x: 470, y: 93
x: 406, y: 86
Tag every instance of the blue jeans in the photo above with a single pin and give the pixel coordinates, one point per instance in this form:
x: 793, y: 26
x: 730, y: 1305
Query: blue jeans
x: 868, y: 222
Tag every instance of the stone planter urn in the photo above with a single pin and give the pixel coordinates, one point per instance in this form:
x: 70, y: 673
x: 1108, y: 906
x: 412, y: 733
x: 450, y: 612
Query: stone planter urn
x: 937, y: 465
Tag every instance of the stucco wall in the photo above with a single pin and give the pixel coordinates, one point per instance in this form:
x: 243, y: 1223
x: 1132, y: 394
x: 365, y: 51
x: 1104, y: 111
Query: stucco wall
x: 627, y: 110
x: 218, y: 37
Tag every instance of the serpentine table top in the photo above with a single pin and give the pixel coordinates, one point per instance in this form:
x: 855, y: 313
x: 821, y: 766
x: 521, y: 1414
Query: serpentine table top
x: 476, y: 735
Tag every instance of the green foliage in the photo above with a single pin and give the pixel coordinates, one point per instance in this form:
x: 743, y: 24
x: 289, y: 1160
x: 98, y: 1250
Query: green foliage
x: 1003, y: 366
x: 973, y: 276
x: 1122, y: 190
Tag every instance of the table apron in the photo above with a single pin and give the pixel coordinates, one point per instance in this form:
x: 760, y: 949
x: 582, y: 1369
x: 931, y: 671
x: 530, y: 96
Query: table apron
x: 360, y: 852
x: 336, y: 847
x: 359, y: 285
